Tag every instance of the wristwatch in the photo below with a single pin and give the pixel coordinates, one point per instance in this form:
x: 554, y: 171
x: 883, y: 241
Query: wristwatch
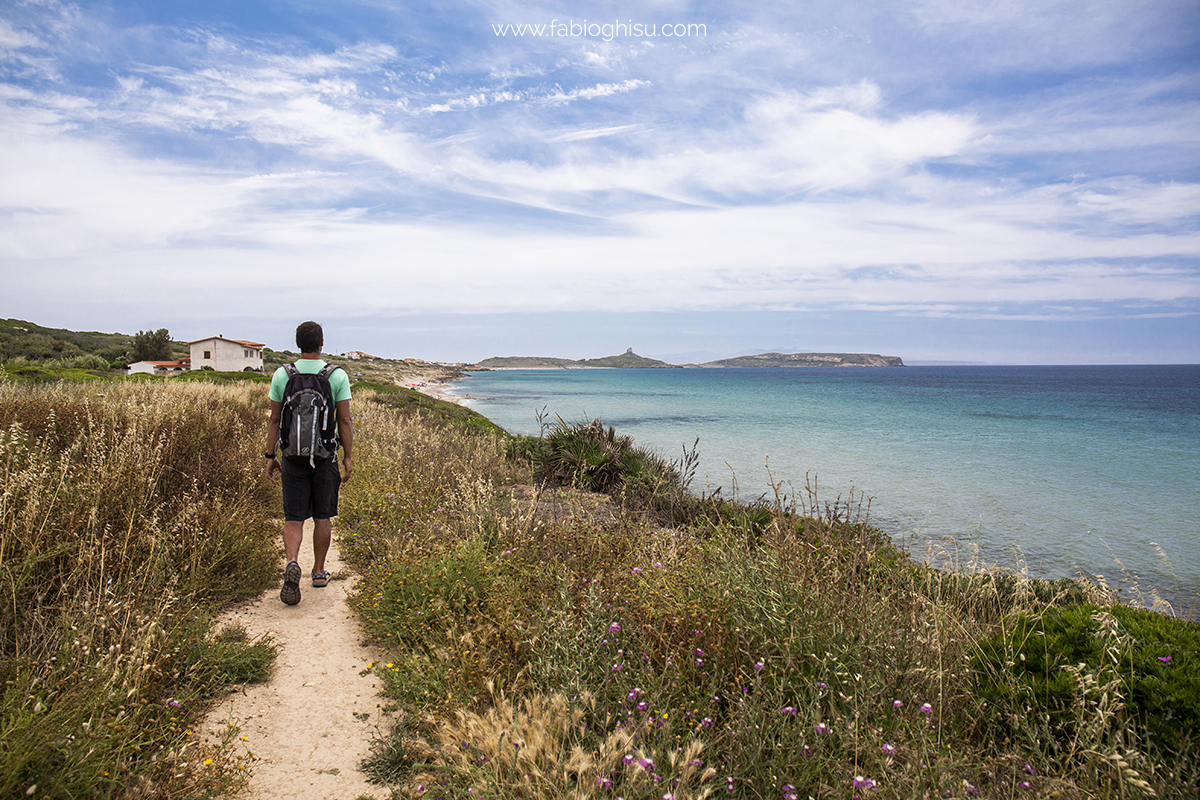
x: 268, y: 455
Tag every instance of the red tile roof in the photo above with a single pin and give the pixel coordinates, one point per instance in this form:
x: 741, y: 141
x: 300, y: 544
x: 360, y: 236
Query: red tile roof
x: 242, y: 342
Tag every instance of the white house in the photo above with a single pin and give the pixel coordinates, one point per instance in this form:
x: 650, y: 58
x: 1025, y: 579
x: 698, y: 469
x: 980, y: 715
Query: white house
x: 159, y: 367
x: 226, y: 355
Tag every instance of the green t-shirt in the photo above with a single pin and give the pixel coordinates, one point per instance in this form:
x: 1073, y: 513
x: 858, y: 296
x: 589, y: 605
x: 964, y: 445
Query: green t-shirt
x: 339, y: 381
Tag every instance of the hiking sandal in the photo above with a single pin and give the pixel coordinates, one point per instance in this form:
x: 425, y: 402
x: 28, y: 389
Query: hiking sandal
x: 290, y: 593
x: 320, y: 579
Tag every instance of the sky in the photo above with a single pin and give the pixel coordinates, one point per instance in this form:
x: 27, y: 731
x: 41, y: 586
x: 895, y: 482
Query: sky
x: 942, y: 180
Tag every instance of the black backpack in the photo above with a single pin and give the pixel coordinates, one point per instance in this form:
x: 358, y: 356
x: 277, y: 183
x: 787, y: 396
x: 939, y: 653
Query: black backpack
x: 308, y: 424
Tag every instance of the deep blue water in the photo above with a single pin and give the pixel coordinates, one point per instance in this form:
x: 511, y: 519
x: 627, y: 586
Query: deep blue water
x: 1054, y: 470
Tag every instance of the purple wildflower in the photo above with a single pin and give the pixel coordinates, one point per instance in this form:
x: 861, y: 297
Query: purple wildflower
x: 863, y: 783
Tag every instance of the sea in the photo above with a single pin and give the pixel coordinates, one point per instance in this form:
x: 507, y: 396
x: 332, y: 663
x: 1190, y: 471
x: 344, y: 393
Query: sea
x: 1050, y: 471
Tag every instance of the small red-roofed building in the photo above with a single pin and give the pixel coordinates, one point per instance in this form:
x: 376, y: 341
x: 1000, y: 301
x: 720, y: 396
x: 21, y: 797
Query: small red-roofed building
x: 160, y: 367
x: 226, y: 355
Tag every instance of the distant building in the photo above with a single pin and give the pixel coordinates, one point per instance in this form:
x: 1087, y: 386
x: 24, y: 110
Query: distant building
x: 356, y: 354
x: 160, y: 367
x: 226, y: 355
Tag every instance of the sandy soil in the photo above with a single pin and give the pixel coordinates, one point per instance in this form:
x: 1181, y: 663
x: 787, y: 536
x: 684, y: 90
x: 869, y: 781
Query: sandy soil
x: 310, y: 726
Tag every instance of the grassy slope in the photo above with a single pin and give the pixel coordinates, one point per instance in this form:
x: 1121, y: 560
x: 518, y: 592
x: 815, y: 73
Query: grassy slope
x: 744, y: 652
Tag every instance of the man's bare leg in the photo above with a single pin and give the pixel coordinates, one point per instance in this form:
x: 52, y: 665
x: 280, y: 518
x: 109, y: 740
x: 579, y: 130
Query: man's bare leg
x: 293, y: 536
x: 322, y: 536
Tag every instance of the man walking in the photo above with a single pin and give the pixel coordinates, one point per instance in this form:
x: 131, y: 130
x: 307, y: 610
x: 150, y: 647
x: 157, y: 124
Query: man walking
x: 309, y: 469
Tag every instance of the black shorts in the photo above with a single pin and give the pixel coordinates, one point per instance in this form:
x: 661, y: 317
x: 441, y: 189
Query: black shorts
x: 310, y: 491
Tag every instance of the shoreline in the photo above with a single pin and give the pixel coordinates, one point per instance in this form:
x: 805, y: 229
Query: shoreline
x: 433, y: 384
x: 1136, y: 584
x: 437, y: 392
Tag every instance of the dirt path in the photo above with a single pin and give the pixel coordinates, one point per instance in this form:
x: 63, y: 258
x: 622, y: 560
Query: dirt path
x: 310, y: 726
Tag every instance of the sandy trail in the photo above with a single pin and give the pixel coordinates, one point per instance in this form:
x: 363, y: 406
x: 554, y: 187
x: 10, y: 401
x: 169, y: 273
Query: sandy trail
x: 309, y: 727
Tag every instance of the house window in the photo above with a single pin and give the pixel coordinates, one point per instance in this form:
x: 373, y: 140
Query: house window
x: 245, y: 353
x: 208, y: 353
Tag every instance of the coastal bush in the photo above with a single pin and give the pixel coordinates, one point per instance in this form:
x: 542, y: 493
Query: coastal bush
x: 207, y: 374
x: 130, y: 510
x: 589, y: 456
x: 1149, y: 665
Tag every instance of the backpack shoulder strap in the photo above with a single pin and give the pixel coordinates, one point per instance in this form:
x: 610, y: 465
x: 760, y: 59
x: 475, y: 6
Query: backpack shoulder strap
x: 291, y: 369
x: 327, y: 370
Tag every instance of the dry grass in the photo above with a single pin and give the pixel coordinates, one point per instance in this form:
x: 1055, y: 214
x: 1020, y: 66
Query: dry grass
x: 129, y: 511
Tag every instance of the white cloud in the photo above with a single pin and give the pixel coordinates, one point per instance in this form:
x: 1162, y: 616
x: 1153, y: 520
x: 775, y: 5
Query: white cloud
x: 592, y: 133
x: 733, y: 182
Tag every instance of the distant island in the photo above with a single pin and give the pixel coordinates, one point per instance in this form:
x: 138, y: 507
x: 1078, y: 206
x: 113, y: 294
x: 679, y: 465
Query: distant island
x: 808, y: 360
x: 626, y: 360
x: 631, y: 360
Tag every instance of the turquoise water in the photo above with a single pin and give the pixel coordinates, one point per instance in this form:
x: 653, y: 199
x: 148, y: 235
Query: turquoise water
x: 1055, y: 470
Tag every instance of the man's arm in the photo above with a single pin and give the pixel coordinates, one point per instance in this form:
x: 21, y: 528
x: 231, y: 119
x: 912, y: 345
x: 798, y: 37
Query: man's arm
x: 273, y: 438
x: 346, y: 434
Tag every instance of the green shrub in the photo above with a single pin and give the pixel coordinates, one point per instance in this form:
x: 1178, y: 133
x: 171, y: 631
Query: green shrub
x: 525, y: 449
x: 1037, y: 663
x: 589, y: 456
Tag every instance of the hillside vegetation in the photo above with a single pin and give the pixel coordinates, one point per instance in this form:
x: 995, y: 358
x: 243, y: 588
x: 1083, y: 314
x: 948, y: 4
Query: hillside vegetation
x: 29, y: 343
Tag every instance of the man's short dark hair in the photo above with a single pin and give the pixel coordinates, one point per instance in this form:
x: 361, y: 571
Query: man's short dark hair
x: 309, y: 337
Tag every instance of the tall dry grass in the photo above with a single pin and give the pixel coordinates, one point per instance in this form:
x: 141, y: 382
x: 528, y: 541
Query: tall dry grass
x: 129, y: 511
